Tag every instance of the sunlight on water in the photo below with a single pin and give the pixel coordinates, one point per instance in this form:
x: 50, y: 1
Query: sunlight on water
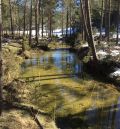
x: 80, y: 104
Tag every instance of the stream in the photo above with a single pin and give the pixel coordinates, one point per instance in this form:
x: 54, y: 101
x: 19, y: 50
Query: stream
x: 75, y: 102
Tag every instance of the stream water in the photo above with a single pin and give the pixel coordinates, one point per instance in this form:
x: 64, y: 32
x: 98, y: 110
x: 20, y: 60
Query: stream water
x: 80, y: 109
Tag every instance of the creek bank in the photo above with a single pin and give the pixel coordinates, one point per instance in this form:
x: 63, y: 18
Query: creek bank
x: 108, y: 66
x: 102, y: 71
x: 56, y: 95
x: 16, y: 92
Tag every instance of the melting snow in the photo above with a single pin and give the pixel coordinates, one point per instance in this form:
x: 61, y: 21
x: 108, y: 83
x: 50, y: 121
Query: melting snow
x: 115, y: 74
x: 114, y: 53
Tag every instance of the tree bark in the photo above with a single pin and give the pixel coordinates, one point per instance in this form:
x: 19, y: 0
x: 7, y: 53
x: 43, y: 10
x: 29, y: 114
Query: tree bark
x: 67, y: 17
x: 39, y: 19
x: 36, y: 21
x: 11, y: 20
x: 62, y: 19
x: 88, y: 28
x: 50, y: 24
x: 42, y: 18
x: 89, y: 24
x: 1, y: 70
x: 101, y: 23
x: 19, y: 21
x: 70, y: 18
x: 24, y: 17
x: 30, y: 27
x: 109, y: 12
x: 118, y: 20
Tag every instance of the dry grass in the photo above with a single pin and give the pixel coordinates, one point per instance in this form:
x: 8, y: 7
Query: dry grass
x: 17, y: 120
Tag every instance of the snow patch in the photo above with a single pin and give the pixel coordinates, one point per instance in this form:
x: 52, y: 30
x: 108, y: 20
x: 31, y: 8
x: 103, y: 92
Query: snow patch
x: 115, y: 53
x: 102, y: 54
x: 116, y: 73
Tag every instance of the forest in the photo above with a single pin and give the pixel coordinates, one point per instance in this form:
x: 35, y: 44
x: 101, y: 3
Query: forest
x: 59, y: 64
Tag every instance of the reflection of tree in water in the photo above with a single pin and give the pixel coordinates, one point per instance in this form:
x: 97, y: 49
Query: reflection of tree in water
x: 94, y: 118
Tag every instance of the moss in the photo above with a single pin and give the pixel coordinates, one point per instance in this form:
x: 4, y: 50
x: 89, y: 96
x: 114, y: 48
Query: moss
x: 67, y: 96
x: 11, y: 63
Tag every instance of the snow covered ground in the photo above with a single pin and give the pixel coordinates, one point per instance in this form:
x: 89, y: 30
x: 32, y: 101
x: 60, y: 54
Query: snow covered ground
x: 114, y: 51
x: 115, y: 36
x: 102, y: 54
x: 116, y: 73
x: 56, y: 32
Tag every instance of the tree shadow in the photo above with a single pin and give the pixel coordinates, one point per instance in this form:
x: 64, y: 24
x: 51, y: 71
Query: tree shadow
x: 97, y: 118
x: 50, y: 77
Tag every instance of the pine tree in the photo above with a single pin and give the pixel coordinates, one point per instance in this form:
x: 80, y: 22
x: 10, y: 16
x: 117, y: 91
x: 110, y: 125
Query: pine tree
x: 1, y: 89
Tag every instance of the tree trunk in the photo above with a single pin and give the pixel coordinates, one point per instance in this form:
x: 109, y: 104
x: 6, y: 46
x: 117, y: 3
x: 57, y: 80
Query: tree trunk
x: 24, y: 18
x: 30, y: 27
x: 84, y: 18
x: 1, y: 70
x: 19, y: 21
x: 70, y: 18
x: 101, y: 23
x: 67, y: 17
x: 89, y: 24
x: 36, y: 21
x: 88, y: 28
x: 107, y: 19
x: 118, y: 21
x: 11, y: 20
x: 82, y: 23
x: 50, y: 24
x: 62, y: 19
x: 39, y: 19
x: 42, y: 11
x: 109, y: 12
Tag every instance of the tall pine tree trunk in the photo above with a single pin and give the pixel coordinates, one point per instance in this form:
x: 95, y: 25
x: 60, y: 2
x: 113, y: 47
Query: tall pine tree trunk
x: 101, y: 23
x: 107, y: 19
x: 118, y: 22
x: 42, y: 18
x: 19, y: 20
x: 1, y: 87
x: 88, y: 28
x: 36, y: 21
x: 11, y: 20
x: 62, y: 19
x: 67, y: 21
x: 39, y: 16
x: 24, y: 17
x: 30, y: 27
x: 89, y: 24
x: 109, y: 13
x: 70, y: 17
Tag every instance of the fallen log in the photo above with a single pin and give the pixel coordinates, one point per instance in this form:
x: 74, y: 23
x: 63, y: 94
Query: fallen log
x: 14, y: 105
x: 31, y: 110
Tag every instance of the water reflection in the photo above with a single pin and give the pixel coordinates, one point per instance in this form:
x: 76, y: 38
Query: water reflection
x: 64, y: 60
x: 104, y: 118
x: 107, y: 117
